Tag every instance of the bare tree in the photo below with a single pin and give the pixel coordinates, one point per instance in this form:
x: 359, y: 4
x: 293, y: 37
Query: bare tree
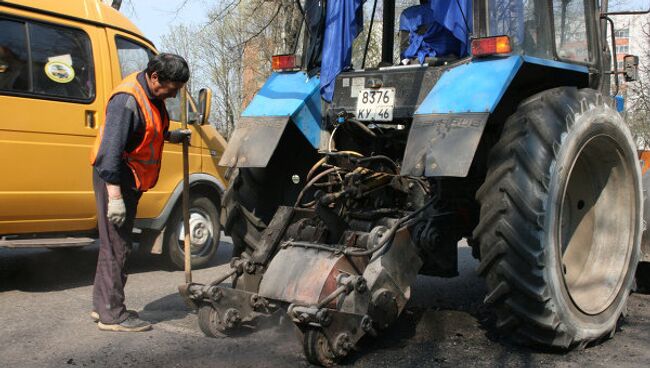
x: 181, y: 40
x: 232, y: 52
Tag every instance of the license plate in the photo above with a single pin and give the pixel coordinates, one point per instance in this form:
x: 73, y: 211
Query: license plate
x: 375, y: 104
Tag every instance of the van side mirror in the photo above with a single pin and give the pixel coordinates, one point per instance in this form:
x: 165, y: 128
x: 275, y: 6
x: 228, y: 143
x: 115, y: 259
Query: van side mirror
x: 631, y: 68
x: 205, y: 103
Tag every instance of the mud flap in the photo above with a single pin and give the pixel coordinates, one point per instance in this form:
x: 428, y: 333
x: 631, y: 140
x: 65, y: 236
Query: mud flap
x: 443, y: 144
x: 254, y: 140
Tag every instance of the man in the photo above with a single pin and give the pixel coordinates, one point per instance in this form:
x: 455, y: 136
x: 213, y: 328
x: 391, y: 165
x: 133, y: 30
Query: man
x: 126, y: 162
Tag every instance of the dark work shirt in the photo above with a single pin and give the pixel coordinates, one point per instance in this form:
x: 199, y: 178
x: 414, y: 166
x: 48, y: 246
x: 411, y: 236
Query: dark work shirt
x: 124, y: 129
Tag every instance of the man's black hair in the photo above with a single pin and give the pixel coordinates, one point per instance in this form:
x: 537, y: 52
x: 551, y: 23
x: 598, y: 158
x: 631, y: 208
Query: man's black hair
x: 169, y: 67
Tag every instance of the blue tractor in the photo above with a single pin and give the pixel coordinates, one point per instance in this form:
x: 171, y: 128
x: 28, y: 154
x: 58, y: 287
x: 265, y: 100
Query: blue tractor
x: 488, y: 120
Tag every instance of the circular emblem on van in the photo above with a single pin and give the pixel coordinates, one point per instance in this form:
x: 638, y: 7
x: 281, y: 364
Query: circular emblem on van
x: 59, y: 72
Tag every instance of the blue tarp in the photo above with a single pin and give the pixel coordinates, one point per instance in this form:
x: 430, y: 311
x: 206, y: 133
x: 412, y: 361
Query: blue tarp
x: 453, y: 15
x: 344, y: 22
x: 445, y: 30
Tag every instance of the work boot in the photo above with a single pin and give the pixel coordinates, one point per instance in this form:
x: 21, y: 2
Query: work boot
x: 95, y: 316
x: 131, y: 324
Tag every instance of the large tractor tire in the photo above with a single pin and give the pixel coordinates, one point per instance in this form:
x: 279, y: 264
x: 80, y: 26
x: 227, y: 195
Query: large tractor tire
x: 560, y: 220
x: 254, y: 194
x: 246, y: 209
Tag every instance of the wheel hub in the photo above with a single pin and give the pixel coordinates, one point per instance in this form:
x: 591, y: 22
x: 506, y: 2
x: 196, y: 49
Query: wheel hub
x: 200, y: 232
x: 597, y: 225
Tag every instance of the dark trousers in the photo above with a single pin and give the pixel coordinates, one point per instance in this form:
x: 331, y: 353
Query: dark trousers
x: 114, y: 247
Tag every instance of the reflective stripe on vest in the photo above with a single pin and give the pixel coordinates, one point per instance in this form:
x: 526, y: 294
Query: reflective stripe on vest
x: 144, y: 160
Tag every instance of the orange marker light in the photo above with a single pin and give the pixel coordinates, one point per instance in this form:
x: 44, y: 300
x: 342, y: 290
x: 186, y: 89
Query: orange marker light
x: 283, y: 62
x: 487, y: 46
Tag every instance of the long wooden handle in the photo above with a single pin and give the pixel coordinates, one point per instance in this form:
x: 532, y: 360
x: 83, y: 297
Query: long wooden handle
x: 186, y: 191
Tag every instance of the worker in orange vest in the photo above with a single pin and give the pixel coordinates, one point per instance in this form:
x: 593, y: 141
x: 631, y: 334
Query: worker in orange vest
x: 126, y: 161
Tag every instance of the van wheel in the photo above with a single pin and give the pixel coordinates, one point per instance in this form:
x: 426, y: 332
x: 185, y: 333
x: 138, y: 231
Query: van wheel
x: 205, y: 231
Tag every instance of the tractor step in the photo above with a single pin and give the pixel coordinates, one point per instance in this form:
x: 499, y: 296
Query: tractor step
x: 68, y: 242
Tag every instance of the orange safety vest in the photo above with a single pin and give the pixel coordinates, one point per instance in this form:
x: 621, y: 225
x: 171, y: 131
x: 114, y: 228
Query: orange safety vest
x: 145, y: 159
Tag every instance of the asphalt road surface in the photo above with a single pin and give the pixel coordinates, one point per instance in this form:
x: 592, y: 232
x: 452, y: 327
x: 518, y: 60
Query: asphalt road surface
x: 45, y: 299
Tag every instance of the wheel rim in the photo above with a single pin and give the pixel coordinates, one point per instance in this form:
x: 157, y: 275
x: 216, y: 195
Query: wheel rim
x: 597, y: 225
x: 317, y: 348
x: 201, y: 233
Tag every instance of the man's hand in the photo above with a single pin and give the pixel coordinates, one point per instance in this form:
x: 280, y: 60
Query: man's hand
x: 179, y: 135
x: 116, y: 211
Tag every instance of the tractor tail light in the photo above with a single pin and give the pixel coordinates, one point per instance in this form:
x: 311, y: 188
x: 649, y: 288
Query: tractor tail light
x: 491, y: 46
x: 283, y: 62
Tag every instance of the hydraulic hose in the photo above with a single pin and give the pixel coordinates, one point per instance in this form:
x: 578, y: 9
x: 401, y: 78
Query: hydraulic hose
x: 363, y: 127
x: 379, y: 158
x: 312, y: 181
x: 388, y: 237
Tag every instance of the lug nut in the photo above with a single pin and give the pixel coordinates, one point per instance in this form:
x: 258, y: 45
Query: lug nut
x: 324, y: 317
x: 232, y: 318
x: 343, y: 344
x: 215, y: 294
x: 366, y: 323
x: 249, y: 267
x: 361, y: 285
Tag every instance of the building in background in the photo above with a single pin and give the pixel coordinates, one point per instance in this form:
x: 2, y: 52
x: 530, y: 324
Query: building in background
x: 632, y: 38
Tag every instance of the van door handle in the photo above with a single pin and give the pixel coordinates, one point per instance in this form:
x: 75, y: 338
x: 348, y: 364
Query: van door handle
x: 90, y: 119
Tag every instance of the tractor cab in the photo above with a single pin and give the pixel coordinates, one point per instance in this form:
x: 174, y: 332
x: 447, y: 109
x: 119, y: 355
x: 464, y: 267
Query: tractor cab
x: 399, y: 56
x: 386, y: 45
x: 386, y: 63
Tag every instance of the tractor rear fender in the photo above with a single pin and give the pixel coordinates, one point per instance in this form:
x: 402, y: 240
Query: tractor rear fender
x: 449, y: 123
x: 285, y: 97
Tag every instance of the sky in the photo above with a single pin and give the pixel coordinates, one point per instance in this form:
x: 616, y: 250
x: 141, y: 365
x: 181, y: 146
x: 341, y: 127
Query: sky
x: 156, y: 17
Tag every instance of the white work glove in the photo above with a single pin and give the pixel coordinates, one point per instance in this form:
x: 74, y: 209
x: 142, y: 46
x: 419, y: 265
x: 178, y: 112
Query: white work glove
x: 116, y: 211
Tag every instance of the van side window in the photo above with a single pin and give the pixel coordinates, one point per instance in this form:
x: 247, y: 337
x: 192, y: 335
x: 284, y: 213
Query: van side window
x: 14, y: 69
x: 45, y: 60
x: 132, y: 56
x: 61, y: 61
